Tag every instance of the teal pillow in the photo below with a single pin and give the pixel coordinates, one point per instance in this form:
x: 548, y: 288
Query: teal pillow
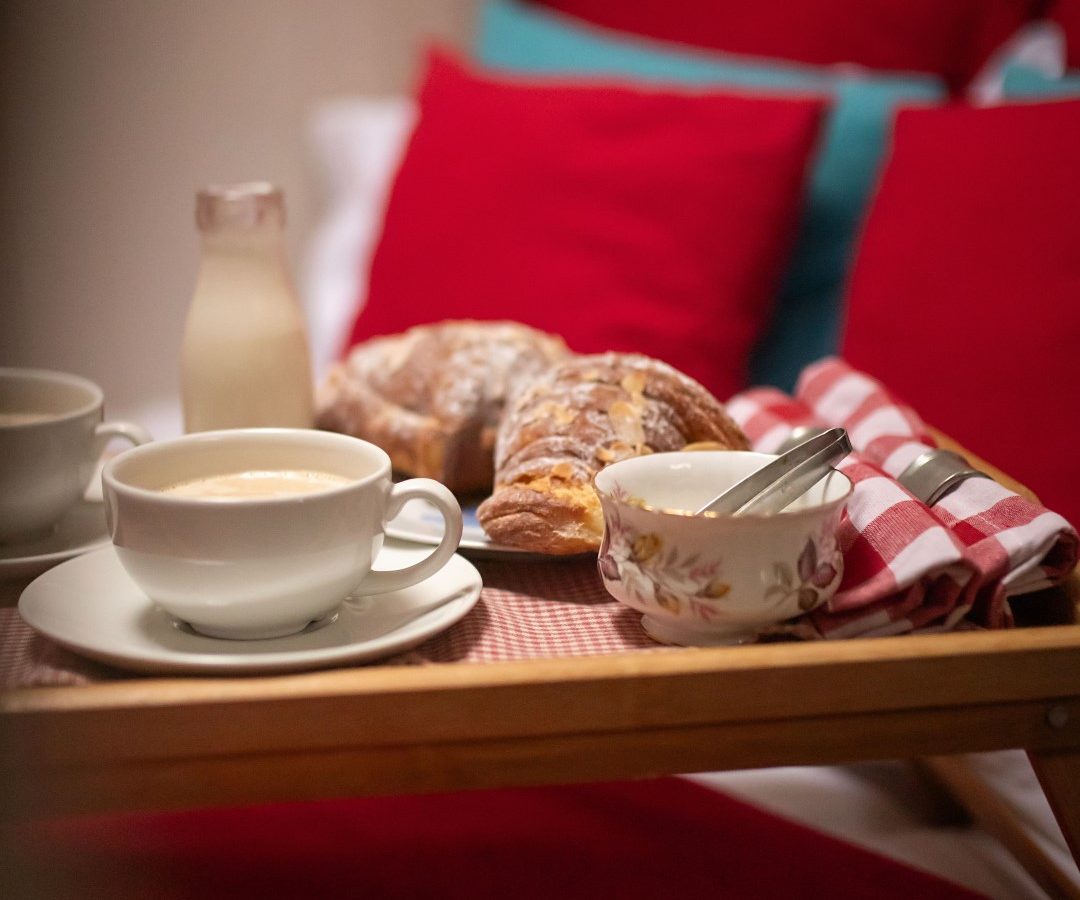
x: 1024, y: 82
x: 519, y: 38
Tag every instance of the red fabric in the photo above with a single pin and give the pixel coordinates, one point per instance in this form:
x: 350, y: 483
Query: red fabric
x: 661, y: 838
x: 907, y: 566
x: 624, y: 219
x: 964, y: 294
x: 951, y: 38
x: 1067, y: 14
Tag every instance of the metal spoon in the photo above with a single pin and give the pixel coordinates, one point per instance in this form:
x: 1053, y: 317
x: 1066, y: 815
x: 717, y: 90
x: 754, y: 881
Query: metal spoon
x: 777, y: 484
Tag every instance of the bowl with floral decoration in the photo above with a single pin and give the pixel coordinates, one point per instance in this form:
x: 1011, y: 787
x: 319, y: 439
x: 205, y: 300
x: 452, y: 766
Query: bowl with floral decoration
x: 702, y: 579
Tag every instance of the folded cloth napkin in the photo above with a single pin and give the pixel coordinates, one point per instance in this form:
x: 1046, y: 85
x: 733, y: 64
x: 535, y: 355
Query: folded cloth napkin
x: 908, y: 566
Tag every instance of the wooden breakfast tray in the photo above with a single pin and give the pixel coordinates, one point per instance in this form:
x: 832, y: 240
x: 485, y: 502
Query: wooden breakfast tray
x: 182, y: 742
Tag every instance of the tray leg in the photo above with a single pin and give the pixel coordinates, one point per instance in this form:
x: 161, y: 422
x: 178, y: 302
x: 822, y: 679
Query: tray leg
x: 1059, y: 774
x: 986, y: 808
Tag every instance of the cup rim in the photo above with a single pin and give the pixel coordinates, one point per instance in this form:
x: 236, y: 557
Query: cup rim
x: 113, y: 482
x: 56, y: 376
x: 788, y: 514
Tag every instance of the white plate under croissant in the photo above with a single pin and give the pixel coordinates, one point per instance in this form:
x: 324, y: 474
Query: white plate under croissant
x: 420, y: 523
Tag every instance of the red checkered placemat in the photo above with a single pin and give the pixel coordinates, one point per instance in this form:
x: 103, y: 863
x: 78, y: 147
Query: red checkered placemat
x: 530, y: 610
x: 28, y: 659
x: 908, y: 567
x: 526, y: 610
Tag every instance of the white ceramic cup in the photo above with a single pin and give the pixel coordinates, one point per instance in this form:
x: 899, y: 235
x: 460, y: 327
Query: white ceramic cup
x: 710, y: 578
x: 264, y: 566
x: 51, y: 439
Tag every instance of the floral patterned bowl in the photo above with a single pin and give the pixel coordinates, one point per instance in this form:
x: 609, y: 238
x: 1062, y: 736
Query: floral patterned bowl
x: 714, y: 579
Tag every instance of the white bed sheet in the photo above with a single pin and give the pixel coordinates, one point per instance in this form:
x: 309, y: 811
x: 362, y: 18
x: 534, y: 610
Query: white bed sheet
x: 887, y: 808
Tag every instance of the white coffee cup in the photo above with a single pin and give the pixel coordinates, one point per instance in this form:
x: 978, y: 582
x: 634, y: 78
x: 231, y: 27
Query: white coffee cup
x: 262, y: 566
x: 51, y: 439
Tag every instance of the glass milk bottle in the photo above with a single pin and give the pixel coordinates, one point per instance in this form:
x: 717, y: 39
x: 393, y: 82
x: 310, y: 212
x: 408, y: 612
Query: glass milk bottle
x: 245, y: 360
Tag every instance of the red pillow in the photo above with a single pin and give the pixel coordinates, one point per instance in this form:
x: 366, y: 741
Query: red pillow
x: 964, y: 297
x: 623, y: 219
x: 951, y: 38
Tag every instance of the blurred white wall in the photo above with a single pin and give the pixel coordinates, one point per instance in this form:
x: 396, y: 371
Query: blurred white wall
x: 112, y: 113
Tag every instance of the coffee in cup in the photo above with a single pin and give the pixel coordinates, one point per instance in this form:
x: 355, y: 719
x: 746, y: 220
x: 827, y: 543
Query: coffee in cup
x: 23, y: 418
x: 255, y: 533
x: 253, y: 483
x: 51, y: 439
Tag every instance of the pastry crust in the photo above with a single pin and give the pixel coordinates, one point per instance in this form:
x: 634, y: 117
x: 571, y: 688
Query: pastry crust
x: 581, y: 415
x: 433, y: 396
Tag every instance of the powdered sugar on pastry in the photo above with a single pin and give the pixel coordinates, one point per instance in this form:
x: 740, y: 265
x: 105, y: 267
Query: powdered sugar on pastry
x: 433, y: 396
x: 581, y: 415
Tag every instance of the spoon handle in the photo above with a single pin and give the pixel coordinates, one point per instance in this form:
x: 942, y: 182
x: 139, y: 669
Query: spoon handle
x: 778, y: 483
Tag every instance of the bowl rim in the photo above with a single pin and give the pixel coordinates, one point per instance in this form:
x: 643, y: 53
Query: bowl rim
x: 683, y: 514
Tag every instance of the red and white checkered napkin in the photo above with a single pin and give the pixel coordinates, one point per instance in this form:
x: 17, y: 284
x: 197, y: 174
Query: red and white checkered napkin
x: 909, y: 566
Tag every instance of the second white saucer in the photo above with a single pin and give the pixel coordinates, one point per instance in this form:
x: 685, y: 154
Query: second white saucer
x: 81, y: 529
x: 91, y: 606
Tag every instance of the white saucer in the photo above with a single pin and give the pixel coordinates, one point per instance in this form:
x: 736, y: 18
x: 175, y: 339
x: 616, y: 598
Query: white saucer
x: 92, y: 607
x: 81, y: 529
x: 419, y: 522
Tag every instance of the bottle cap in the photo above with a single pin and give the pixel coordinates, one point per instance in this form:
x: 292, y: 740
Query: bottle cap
x: 239, y: 207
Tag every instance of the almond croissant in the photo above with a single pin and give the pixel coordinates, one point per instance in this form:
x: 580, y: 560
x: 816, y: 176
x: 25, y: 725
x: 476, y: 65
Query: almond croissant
x: 579, y: 416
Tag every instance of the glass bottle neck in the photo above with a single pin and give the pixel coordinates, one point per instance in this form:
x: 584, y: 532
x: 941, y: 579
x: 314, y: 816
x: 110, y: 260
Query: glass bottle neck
x: 258, y: 242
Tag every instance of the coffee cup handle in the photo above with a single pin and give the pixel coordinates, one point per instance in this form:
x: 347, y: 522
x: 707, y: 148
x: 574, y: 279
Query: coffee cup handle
x: 105, y: 432
x: 379, y: 582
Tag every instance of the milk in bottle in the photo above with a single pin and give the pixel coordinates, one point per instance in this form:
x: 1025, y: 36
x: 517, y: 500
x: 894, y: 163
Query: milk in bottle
x: 245, y: 360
